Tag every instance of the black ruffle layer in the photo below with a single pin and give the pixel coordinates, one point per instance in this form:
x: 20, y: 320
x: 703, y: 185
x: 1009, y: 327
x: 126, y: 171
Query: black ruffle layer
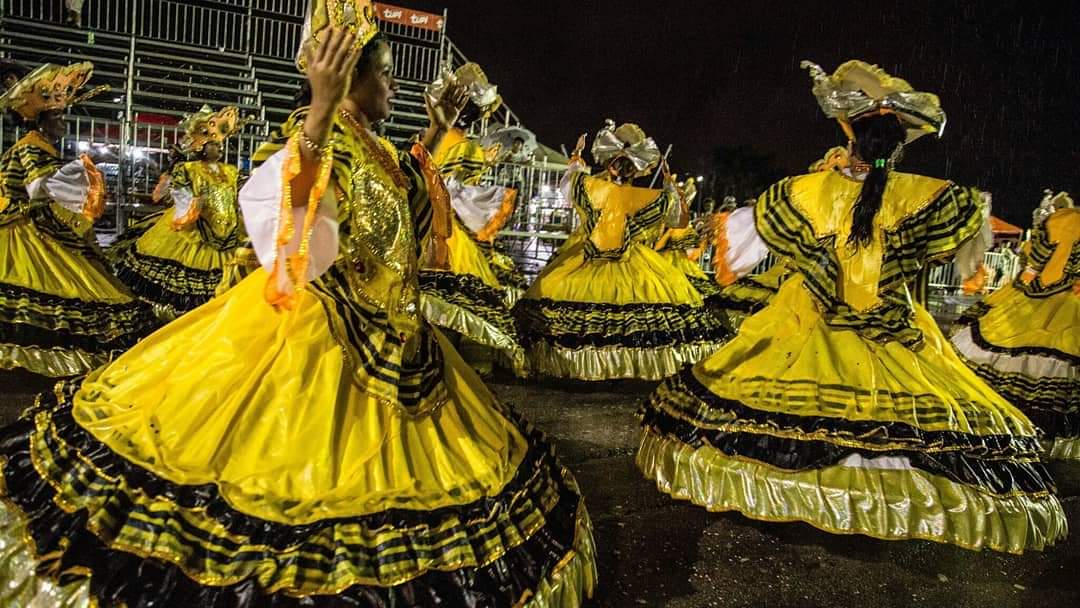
x: 89, y: 326
x: 998, y: 463
x: 995, y: 476
x: 122, y: 578
x: 981, y: 341
x: 198, y: 286
x: 586, y: 324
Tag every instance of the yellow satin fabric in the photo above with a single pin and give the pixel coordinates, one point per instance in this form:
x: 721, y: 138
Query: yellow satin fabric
x: 263, y: 405
x: 183, y: 246
x: 30, y: 260
x: 827, y: 200
x: 616, y: 203
x: 888, y: 504
x: 682, y: 263
x: 458, y: 153
x: 788, y: 347
x: 1018, y: 321
x: 467, y: 258
x: 640, y: 276
x: 1063, y: 228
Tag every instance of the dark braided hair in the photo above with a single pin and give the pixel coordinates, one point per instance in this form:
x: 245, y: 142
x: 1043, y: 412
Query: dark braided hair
x: 876, y: 139
x: 363, y: 64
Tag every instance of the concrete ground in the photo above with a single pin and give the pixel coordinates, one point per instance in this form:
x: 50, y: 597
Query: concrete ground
x: 654, y: 551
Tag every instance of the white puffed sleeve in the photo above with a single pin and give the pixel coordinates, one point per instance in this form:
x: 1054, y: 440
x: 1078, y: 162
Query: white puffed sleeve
x: 68, y: 186
x: 77, y: 186
x: 739, y: 247
x: 261, y: 203
x: 476, y: 206
x: 969, y: 257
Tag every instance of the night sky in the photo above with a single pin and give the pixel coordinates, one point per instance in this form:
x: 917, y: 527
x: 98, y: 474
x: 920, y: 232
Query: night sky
x: 701, y: 74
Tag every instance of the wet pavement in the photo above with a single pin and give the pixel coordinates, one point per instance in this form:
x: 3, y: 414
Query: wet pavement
x: 654, y: 551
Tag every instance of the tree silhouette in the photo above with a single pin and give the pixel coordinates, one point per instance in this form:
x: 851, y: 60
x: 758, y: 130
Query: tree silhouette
x: 740, y: 171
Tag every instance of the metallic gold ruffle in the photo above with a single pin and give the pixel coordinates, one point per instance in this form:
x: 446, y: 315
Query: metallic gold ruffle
x: 615, y: 363
x: 441, y: 313
x: 889, y: 504
x: 50, y: 362
x: 570, y: 581
x: 1063, y: 448
x: 574, y: 578
x: 23, y: 586
x: 511, y: 295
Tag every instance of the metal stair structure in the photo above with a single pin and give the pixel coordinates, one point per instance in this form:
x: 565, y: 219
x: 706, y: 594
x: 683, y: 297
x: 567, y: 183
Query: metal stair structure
x: 164, y: 59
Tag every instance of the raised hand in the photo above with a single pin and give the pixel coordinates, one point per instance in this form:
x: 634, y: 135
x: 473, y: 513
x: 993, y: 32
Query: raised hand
x: 329, y: 70
x: 580, y: 146
x: 444, y: 111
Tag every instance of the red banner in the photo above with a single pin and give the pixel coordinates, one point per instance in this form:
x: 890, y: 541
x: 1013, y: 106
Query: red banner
x: 409, y: 17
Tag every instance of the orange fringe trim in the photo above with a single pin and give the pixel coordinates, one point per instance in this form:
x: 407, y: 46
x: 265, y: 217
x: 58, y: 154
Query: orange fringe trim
x: 295, y: 266
x: 724, y: 275
x: 442, y: 220
x: 94, y: 205
x: 663, y: 240
x: 695, y: 254
x: 189, y: 217
x: 162, y: 187
x: 976, y: 282
x: 1076, y: 288
x: 488, y: 232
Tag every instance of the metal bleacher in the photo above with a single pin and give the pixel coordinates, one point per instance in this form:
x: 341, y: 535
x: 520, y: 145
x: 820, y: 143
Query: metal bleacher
x: 165, y: 58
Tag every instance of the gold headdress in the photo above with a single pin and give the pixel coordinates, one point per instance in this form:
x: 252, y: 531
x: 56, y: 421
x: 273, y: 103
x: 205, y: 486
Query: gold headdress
x: 207, y: 126
x: 50, y: 87
x: 1050, y: 203
x: 836, y: 158
x: 687, y: 191
x: 627, y: 141
x: 355, y: 16
x: 1062, y: 200
x: 857, y: 89
x: 471, y: 76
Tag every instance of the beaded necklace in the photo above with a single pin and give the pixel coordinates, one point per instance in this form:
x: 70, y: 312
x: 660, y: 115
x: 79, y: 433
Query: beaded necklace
x: 388, y: 163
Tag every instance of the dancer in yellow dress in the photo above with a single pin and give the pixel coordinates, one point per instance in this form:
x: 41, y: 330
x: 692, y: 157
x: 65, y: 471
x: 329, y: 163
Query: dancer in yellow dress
x: 481, y: 210
x: 748, y: 294
x: 1024, y: 339
x: 61, y: 312
x: 609, y: 306
x: 841, y: 404
x: 683, y: 247
x: 465, y: 296
x: 176, y: 259
x: 305, y: 439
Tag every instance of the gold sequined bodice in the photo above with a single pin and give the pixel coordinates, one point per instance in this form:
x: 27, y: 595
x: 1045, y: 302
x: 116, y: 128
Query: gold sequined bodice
x: 215, y: 185
x: 379, y: 244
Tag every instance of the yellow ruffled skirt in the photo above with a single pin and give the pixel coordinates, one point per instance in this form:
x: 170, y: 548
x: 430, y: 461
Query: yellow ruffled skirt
x: 506, y: 270
x: 176, y: 270
x: 233, y: 456
x: 750, y: 293
x: 796, y: 421
x: 1028, y: 349
x: 633, y: 317
x: 468, y: 300
x: 61, y: 313
x: 706, y: 286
